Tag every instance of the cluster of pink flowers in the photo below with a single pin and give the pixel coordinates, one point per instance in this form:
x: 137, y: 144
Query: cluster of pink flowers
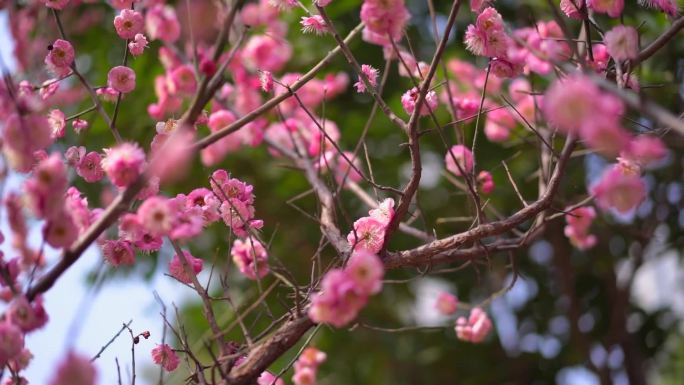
x: 368, y: 233
x: 236, y: 203
x: 306, y: 366
x: 474, y: 328
x: 166, y: 357
x: 579, y: 221
x: 251, y: 257
x: 344, y: 292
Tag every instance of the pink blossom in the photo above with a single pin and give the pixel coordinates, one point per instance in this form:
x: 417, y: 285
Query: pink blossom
x: 56, y: 4
x: 485, y: 182
x: 304, y: 376
x: 121, y: 79
x: 45, y: 187
x: 90, y: 168
x: 118, y: 252
x: 668, y: 6
x: 322, y: 3
x: 48, y: 88
x: 162, y: 23
x: 21, y: 362
x: 268, y: 378
x: 138, y: 44
x: 57, y: 123
x: 410, y: 97
x: 108, y: 94
x: 366, y: 271
x: 612, y: 7
x: 571, y: 101
x: 60, y: 230
x: 25, y: 315
x: 266, y: 81
x: 446, y: 303
x: 385, y: 17
x: 182, y: 80
x: 128, y: 24
x: 499, y: 125
x: 267, y: 53
x: 230, y: 143
x: 571, y: 9
x: 313, y: 24
x: 171, y: 161
x: 487, y: 36
x: 476, y: 5
x: 22, y: 136
x: 475, y: 328
x: 622, y: 42
x: 619, y: 191
x: 60, y: 57
x: 205, y: 200
x: 338, y: 302
x: 165, y: 356
x: 73, y: 155
x: 506, y: 68
x: 124, y: 4
x: 459, y: 160
x: 251, y: 258
x: 75, y: 370
x: 604, y: 134
x: 179, y: 272
x: 384, y: 212
x: 79, y: 125
x: 189, y: 221
x: 123, y: 163
x: 311, y: 357
x: 372, y: 76
x: 368, y: 235
x: 645, y: 150
x: 579, y: 220
x: 156, y: 216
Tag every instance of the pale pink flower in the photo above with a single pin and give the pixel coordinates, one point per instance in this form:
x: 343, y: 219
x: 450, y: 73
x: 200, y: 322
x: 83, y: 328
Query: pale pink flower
x: 446, y: 303
x: 11, y: 341
x: 476, y: 5
x: 56, y: 4
x: 165, y: 356
x: 410, y: 97
x: 48, y: 88
x: 459, y: 160
x: 129, y: 23
x: 182, y: 80
x: 75, y: 370
x: 123, y: 163
x: 499, y: 125
x: 156, y: 216
x: 28, y: 316
x: 73, y: 155
x: 604, y: 134
x: 579, y: 220
x: 619, y: 191
x: 506, y: 68
x: 385, y: 17
x: 251, y: 258
x: 366, y: 271
x: 571, y: 8
x: 372, y: 75
x: 485, y: 182
x: 216, y: 152
x: 137, y: 45
x: 57, y: 123
x: 338, y: 302
x: 268, y: 378
x: 118, y: 252
x: 475, y: 328
x: 170, y: 162
x: 612, y: 7
x: 266, y: 81
x: 90, y: 167
x: 384, y: 212
x: 179, y: 272
x: 645, y: 150
x: 368, y: 235
x: 266, y: 53
x: 21, y: 362
x: 313, y: 24
x: 668, y: 6
x: 79, y: 125
x: 622, y: 42
x: 60, y: 57
x: 108, y: 94
x: 45, y: 187
x: 162, y: 23
x: 207, y: 202
x: 304, y: 376
x: 570, y: 102
x: 311, y: 357
x: 60, y: 231
x: 487, y: 36
x: 121, y: 79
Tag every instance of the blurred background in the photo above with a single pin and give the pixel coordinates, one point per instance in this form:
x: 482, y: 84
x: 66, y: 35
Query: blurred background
x: 610, y: 315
